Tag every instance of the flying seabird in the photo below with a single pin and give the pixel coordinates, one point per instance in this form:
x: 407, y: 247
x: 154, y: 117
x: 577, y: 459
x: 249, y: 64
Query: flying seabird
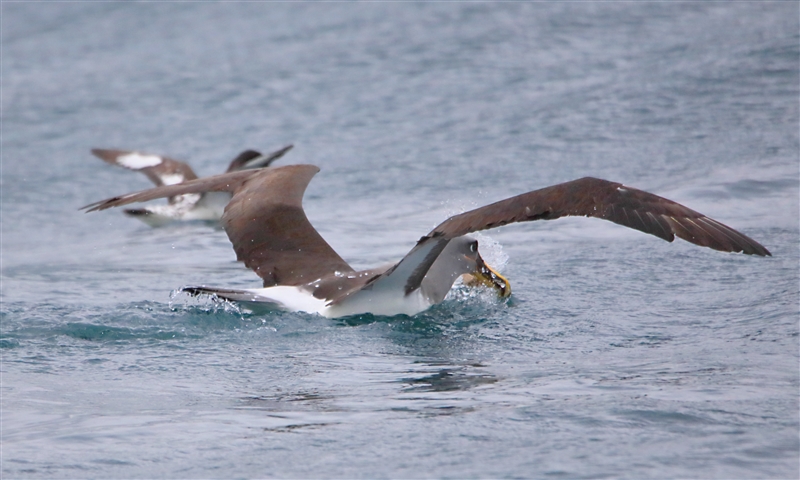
x: 163, y: 170
x: 271, y: 234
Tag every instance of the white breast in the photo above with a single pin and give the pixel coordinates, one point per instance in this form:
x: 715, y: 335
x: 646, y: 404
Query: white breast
x: 293, y: 299
x: 210, y: 207
x: 379, y: 301
x: 376, y: 302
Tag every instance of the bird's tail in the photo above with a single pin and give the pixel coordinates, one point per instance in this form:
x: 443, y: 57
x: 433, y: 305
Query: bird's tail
x: 225, y: 294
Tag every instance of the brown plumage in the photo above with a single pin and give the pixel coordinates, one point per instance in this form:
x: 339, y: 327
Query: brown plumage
x: 169, y: 167
x: 264, y: 220
x: 593, y: 197
x: 162, y: 170
x: 272, y: 235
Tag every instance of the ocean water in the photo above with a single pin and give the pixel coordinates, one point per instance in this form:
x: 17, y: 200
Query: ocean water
x: 617, y: 356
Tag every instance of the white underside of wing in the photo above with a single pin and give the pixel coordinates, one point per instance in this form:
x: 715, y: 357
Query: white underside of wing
x: 137, y: 161
x: 172, y: 178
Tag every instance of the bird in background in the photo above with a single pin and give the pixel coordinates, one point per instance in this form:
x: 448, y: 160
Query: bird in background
x: 162, y: 170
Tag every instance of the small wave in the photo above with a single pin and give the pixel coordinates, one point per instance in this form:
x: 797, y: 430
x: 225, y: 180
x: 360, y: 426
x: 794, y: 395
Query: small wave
x: 761, y: 188
x: 8, y: 343
x: 105, y: 333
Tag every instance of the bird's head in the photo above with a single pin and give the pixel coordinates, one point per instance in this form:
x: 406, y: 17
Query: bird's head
x: 246, y: 160
x: 479, y: 272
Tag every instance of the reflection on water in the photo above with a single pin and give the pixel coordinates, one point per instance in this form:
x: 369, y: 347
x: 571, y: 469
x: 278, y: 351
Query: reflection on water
x: 447, y: 380
x: 287, y: 401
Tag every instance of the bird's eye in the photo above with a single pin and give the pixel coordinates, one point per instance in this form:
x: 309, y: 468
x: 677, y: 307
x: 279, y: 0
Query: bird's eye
x: 473, y: 247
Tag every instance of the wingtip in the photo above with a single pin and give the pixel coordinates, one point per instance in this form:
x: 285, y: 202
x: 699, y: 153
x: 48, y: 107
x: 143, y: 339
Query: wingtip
x: 89, y: 206
x: 762, y: 251
x: 101, y: 205
x: 271, y: 157
x: 104, y: 154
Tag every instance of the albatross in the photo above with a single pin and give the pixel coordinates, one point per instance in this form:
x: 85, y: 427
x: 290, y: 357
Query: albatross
x: 163, y: 170
x: 271, y: 234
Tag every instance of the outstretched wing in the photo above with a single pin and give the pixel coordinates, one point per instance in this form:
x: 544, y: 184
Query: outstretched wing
x: 589, y: 197
x: 226, y: 182
x: 264, y: 220
x: 159, y: 169
x: 593, y: 197
x: 254, y: 159
x: 270, y: 232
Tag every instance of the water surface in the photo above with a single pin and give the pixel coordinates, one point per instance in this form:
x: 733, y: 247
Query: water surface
x: 618, y: 355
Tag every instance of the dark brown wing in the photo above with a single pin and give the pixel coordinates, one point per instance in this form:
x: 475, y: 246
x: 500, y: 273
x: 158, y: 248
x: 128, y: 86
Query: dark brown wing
x: 270, y: 232
x: 264, y: 220
x: 226, y: 182
x: 159, y: 169
x: 593, y: 197
x: 589, y: 197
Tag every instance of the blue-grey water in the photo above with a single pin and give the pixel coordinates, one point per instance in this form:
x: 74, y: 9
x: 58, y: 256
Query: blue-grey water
x: 618, y: 355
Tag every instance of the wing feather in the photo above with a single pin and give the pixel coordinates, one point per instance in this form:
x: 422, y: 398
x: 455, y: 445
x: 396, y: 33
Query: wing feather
x: 590, y: 197
x: 159, y: 169
x: 271, y: 234
x: 264, y: 220
x: 226, y: 182
x: 593, y: 197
